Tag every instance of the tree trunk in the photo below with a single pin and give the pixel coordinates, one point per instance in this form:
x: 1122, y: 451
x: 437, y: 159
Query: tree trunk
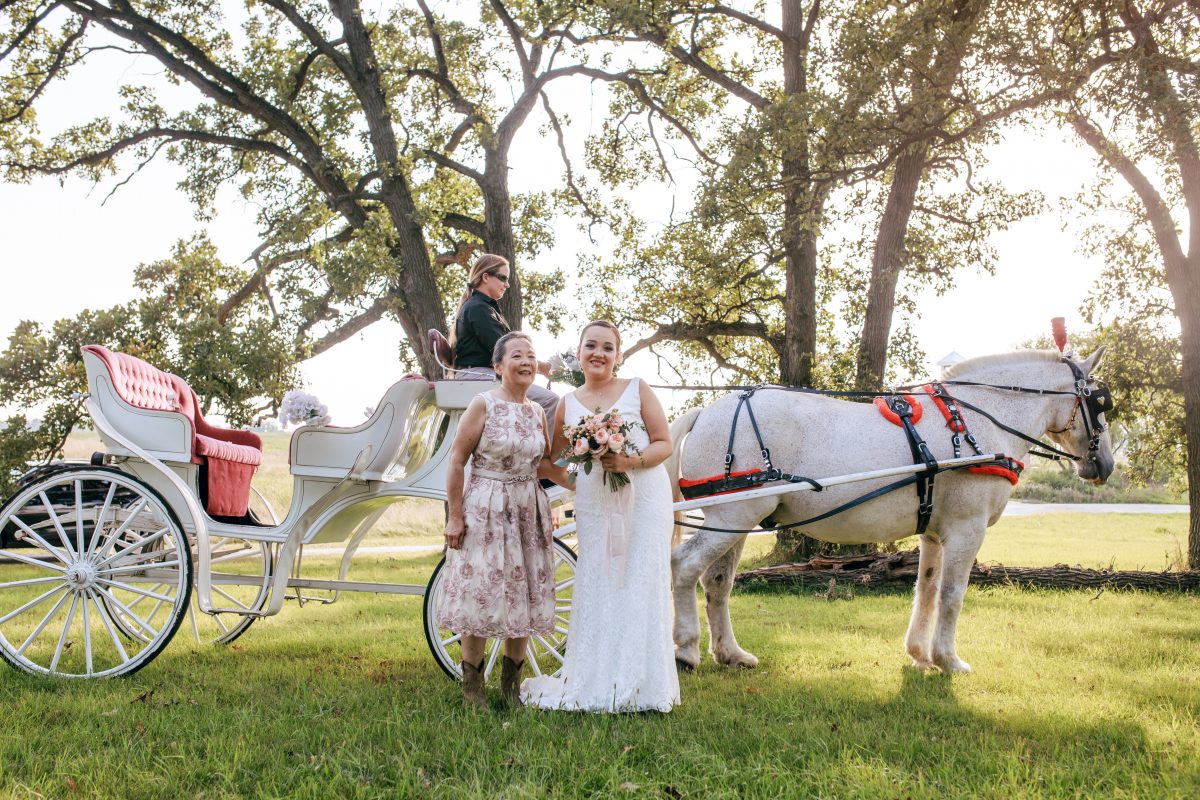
x: 1185, y: 287
x: 886, y: 265
x: 498, y: 233
x: 800, y: 209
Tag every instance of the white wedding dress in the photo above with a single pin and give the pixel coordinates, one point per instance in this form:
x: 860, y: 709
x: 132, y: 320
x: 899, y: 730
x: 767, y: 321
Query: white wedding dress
x: 620, y: 656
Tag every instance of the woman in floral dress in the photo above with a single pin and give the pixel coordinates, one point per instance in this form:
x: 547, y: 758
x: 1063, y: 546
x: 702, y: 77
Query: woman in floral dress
x: 500, y: 566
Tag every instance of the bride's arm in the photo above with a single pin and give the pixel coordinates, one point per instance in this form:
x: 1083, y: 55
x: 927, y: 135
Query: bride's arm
x: 657, y: 428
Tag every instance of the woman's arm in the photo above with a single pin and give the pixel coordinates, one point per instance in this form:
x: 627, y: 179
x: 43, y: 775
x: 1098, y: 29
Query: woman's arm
x: 547, y: 468
x: 657, y: 428
x: 470, y: 428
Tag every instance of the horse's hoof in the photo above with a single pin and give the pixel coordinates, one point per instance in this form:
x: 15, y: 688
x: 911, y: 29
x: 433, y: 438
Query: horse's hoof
x: 953, y: 665
x: 740, y: 659
x: 683, y: 666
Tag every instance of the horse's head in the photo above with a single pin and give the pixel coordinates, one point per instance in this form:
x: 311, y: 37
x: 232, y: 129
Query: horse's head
x: 1084, y: 431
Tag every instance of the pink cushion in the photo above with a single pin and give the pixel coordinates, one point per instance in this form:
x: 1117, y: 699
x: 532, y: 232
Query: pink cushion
x: 232, y: 455
x: 227, y: 451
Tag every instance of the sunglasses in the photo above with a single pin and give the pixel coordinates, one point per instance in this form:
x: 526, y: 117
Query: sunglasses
x: 499, y: 277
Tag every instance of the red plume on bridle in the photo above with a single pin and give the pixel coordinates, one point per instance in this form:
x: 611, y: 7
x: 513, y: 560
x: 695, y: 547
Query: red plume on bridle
x: 1058, y: 327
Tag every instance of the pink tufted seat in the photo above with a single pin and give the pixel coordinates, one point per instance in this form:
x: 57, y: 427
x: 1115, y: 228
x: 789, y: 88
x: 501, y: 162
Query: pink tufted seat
x: 230, y: 457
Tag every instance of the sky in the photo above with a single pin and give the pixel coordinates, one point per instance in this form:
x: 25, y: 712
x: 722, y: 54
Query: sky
x: 72, y: 246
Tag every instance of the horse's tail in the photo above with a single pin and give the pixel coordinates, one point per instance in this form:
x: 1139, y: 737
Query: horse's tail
x: 679, y: 429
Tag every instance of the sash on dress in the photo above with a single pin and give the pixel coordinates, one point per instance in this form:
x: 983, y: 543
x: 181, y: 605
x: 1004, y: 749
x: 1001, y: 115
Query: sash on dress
x: 616, y: 539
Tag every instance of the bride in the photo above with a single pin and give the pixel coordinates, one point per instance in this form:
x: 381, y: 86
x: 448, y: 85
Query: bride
x: 620, y: 656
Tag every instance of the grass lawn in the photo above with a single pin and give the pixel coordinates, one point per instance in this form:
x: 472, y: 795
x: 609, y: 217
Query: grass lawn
x: 1072, y: 695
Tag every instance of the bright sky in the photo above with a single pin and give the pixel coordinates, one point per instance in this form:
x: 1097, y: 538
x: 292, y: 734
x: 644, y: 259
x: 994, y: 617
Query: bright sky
x: 64, y: 251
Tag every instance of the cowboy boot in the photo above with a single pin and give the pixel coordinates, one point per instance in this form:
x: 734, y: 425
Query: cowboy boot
x: 472, y: 683
x: 510, y: 682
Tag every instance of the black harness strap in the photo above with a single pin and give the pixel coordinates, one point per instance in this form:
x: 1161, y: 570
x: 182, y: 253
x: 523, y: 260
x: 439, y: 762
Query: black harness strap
x: 921, y: 454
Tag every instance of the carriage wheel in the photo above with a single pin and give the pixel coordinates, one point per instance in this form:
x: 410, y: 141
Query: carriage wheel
x: 241, y: 578
x: 98, y: 579
x: 545, y: 654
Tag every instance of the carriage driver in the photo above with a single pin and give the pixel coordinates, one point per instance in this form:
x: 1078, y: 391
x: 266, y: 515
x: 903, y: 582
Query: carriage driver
x: 478, y: 325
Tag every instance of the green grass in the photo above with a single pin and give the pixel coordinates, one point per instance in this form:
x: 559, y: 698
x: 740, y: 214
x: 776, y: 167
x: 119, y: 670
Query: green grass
x: 1072, y: 695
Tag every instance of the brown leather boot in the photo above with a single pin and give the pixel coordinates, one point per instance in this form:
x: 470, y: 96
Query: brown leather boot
x: 510, y: 682
x: 472, y: 683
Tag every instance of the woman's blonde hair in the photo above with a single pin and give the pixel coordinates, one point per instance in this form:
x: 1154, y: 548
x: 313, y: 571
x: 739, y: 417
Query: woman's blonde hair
x: 486, y: 264
x: 502, y: 345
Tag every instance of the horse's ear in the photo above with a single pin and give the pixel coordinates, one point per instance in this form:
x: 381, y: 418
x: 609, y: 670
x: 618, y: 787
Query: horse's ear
x: 1094, y: 359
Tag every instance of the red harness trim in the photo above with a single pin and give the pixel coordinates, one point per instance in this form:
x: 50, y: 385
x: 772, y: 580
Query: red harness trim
x: 684, y: 483
x: 957, y: 427
x: 892, y: 416
x: 999, y: 471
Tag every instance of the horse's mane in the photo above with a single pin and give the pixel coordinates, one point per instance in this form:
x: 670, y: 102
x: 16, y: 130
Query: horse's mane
x: 1001, y: 359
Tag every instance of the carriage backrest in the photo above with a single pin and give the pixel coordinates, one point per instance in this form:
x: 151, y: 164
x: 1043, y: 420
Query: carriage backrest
x: 145, y: 386
x: 398, y: 434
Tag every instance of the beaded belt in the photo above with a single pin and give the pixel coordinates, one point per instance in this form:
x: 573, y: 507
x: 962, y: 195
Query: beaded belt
x: 503, y: 477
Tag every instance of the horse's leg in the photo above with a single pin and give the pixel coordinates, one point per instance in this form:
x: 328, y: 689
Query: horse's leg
x: 718, y: 583
x: 920, y: 628
x: 960, y: 547
x: 688, y: 563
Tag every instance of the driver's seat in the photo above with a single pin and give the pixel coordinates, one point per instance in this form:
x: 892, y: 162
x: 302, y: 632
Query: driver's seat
x: 442, y: 352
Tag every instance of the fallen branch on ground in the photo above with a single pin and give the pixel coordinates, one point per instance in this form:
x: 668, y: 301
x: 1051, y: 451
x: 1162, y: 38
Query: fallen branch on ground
x: 894, y: 569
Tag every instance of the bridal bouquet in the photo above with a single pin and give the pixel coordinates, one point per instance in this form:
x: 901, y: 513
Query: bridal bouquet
x: 596, y: 435
x: 302, y: 408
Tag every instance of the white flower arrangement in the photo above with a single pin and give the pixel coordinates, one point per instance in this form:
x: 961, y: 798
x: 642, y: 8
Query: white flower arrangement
x: 565, y: 368
x: 302, y: 408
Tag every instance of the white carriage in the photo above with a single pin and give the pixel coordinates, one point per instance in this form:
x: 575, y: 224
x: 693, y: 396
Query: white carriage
x: 102, y: 562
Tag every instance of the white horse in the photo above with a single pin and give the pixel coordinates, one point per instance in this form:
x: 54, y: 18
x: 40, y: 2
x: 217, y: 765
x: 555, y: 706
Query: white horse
x: 817, y: 437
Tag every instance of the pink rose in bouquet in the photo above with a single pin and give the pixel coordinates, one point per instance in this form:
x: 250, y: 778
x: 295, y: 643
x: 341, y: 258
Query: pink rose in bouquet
x: 594, y: 436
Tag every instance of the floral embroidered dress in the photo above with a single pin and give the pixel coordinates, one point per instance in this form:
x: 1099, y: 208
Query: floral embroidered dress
x: 500, y: 584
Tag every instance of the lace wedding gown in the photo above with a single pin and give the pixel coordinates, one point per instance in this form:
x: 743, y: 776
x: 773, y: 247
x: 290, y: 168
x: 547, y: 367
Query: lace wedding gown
x: 620, y: 656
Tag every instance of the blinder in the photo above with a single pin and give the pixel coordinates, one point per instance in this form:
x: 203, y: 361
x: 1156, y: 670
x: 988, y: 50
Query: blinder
x: 1100, y: 400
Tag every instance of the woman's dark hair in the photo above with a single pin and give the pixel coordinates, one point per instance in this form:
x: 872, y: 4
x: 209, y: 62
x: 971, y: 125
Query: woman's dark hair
x: 601, y: 323
x: 502, y: 345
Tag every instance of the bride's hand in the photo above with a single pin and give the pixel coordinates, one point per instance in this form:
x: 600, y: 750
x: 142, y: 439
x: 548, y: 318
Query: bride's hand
x: 620, y: 463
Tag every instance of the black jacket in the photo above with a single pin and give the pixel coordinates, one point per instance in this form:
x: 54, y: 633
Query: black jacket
x: 478, y: 327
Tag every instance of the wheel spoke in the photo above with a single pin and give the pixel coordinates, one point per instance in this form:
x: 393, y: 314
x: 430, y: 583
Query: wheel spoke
x: 98, y: 525
x: 192, y: 614
x: 66, y: 541
x: 112, y: 632
x: 447, y: 642
x: 33, y: 562
x: 491, y: 661
x: 62, y: 638
x: 116, y: 534
x: 142, y: 568
x: 531, y: 657
x: 28, y: 582
x: 33, y: 602
x: 158, y: 534
x: 143, y: 592
x: 87, y: 637
x: 551, y: 649
x: 37, y: 538
x: 127, y: 612
x: 231, y: 599
x: 558, y: 587
x: 78, y: 522
x: 42, y: 625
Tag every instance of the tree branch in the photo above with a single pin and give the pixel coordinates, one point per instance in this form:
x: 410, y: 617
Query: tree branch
x: 696, y: 332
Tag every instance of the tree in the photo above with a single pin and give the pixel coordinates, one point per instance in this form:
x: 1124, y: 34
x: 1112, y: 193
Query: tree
x: 1128, y: 77
x: 370, y: 145
x: 797, y: 127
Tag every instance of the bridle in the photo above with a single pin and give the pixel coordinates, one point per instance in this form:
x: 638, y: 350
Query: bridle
x: 1091, y: 395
